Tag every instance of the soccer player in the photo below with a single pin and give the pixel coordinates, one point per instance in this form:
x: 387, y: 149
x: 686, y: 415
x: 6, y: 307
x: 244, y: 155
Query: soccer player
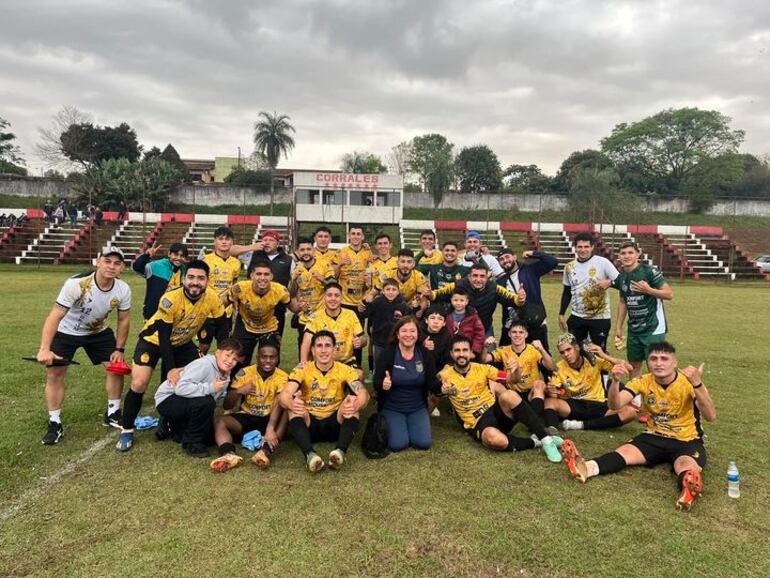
x: 162, y: 274
x: 322, y: 238
x: 308, y: 280
x: 256, y: 388
x: 187, y: 407
x: 448, y: 270
x: 576, y: 390
x: 350, y: 268
x: 344, y: 324
x: 319, y: 409
x: 528, y: 276
x: 78, y: 319
x: 523, y: 361
x: 642, y: 291
x: 428, y: 255
x: 585, y: 282
x: 487, y: 410
x: 474, y: 256
x: 675, y: 400
x: 168, y: 335
x: 412, y: 284
x: 280, y: 264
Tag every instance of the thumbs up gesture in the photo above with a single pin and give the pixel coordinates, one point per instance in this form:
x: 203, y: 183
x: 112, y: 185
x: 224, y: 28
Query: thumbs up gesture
x: 387, y: 382
x: 694, y: 374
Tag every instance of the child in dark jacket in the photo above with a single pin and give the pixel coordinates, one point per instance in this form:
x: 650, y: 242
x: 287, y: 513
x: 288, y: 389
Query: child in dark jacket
x: 436, y: 338
x: 463, y: 320
x: 384, y: 312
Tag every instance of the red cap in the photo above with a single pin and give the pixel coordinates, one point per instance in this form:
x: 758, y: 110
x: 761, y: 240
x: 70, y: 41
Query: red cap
x: 274, y: 234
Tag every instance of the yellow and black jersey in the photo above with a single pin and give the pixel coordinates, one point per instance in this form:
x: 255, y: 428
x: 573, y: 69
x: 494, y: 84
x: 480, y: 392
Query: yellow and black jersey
x: 529, y: 361
x: 327, y: 256
x: 186, y: 317
x: 176, y: 280
x: 470, y: 395
x: 380, y: 267
x: 352, y: 277
x: 309, y: 288
x: 584, y: 383
x: 409, y: 288
x: 260, y: 403
x: 671, y: 409
x: 345, y: 327
x: 222, y: 272
x: 436, y: 258
x: 323, y: 391
x: 258, y: 311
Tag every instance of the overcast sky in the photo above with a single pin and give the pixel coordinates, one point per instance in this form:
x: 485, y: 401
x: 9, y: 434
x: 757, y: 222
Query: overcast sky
x: 534, y: 80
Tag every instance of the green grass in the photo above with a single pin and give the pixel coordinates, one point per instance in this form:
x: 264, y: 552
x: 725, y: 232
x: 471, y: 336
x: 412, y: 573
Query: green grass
x: 456, y: 510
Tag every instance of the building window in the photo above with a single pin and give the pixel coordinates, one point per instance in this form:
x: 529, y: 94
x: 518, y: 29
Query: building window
x: 334, y: 197
x: 362, y: 198
x: 388, y: 198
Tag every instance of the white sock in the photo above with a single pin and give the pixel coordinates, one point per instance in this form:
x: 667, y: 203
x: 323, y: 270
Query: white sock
x: 592, y: 468
x: 538, y: 442
x: 113, y: 405
x: 54, y: 415
x: 572, y: 424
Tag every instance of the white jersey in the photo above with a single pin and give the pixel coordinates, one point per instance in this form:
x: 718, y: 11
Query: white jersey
x: 88, y: 306
x: 589, y: 301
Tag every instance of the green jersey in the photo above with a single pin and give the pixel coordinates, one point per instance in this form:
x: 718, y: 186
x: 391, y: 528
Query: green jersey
x: 645, y: 312
x: 440, y: 275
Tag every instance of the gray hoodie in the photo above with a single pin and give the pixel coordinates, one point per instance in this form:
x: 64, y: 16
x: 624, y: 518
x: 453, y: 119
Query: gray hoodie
x: 197, y: 380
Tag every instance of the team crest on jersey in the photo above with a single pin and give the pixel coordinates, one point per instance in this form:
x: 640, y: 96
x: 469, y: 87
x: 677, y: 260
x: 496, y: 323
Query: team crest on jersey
x: 650, y: 400
x: 216, y: 270
x: 203, y: 333
x: 592, y: 272
x: 114, y: 302
x: 165, y: 302
x: 314, y: 385
x: 419, y: 367
x: 144, y: 358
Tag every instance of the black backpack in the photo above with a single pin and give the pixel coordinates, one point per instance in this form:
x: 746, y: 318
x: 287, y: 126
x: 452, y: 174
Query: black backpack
x: 374, y: 442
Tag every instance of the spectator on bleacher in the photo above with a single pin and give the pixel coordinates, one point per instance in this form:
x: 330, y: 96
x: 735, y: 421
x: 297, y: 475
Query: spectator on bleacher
x: 48, y: 211
x: 528, y: 276
x: 73, y: 215
x: 162, y: 274
x: 473, y: 255
x: 3, y: 220
x: 280, y: 265
x: 58, y: 215
x: 98, y: 217
x: 122, y: 211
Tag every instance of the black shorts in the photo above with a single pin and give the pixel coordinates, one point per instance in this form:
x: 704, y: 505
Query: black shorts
x: 324, y: 430
x: 659, y: 450
x: 98, y: 346
x: 251, y: 422
x: 147, y: 354
x: 582, y: 409
x: 597, y: 329
x: 493, y: 417
x: 250, y: 341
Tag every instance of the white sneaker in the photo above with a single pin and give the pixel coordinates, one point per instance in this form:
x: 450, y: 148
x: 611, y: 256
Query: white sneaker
x: 571, y: 424
x: 435, y: 412
x: 336, y: 459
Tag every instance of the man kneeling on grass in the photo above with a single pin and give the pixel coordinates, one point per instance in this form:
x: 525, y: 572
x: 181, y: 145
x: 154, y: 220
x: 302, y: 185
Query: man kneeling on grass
x: 319, y: 410
x: 674, y: 400
x: 187, y: 408
x: 257, y: 387
x: 487, y: 410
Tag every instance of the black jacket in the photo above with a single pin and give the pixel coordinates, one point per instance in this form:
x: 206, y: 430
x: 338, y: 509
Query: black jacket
x: 440, y: 346
x: 385, y: 363
x: 280, y: 265
x: 383, y: 315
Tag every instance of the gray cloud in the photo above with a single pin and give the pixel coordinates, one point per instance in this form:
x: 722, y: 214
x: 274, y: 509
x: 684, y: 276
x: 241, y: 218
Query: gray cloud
x: 535, y: 80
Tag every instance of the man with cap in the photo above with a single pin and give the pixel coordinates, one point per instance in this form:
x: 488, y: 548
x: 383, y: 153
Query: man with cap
x: 162, y: 274
x: 78, y: 319
x: 473, y: 255
x: 280, y: 264
x: 527, y: 275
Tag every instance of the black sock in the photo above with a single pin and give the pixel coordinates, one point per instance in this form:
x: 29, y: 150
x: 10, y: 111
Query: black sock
x: 551, y: 417
x: 525, y: 415
x: 347, y: 432
x: 680, y: 480
x: 131, y: 407
x: 538, y: 405
x: 266, y: 448
x: 226, y: 448
x: 610, y: 463
x: 301, y: 434
x: 371, y: 363
x: 604, y: 422
x: 516, y: 444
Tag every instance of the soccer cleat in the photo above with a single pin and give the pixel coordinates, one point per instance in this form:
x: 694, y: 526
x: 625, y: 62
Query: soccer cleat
x: 336, y: 459
x: 164, y: 430
x: 54, y: 433
x: 574, y: 461
x: 125, y: 441
x: 551, y: 451
x: 552, y: 430
x: 314, y: 463
x: 196, y: 450
x: 226, y: 462
x: 692, y: 485
x: 260, y: 459
x: 112, y: 419
x: 571, y: 424
x: 558, y: 440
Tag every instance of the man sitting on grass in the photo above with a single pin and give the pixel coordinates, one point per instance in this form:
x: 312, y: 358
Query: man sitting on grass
x: 319, y: 409
x: 257, y: 388
x: 487, y: 410
x: 188, y: 407
x: 675, y: 400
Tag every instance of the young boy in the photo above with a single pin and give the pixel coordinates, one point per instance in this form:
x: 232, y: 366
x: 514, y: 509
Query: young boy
x: 188, y: 407
x: 437, y: 337
x: 463, y: 320
x: 383, y: 313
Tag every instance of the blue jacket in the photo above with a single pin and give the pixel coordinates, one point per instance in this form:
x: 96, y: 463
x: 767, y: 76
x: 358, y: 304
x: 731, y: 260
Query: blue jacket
x: 158, y: 274
x: 529, y: 275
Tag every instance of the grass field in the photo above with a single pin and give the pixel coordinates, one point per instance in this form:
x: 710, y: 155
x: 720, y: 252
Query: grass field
x: 456, y: 510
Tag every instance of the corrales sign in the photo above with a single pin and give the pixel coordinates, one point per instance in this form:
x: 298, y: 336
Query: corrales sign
x: 330, y: 180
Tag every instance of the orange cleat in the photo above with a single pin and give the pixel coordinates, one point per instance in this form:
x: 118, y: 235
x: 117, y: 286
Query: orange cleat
x: 260, y: 460
x: 692, y: 486
x: 574, y: 461
x: 226, y: 462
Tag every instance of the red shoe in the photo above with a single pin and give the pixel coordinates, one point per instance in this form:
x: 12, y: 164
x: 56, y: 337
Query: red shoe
x: 692, y: 486
x: 574, y: 461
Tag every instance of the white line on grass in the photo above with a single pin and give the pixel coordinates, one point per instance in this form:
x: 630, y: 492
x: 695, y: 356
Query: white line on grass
x: 54, y: 478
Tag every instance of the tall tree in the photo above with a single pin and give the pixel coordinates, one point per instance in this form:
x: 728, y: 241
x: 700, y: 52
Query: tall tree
x: 526, y: 179
x: 478, y: 169
x: 170, y: 155
x: 587, y: 159
x: 49, y: 146
x: 398, y: 159
x: 10, y: 153
x: 153, y: 153
x: 431, y: 159
x: 659, y: 152
x: 88, y: 144
x: 363, y: 163
x: 272, y: 139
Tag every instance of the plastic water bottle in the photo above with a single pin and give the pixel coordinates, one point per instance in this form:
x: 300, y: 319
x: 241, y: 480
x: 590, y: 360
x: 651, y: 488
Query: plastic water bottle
x: 733, y: 481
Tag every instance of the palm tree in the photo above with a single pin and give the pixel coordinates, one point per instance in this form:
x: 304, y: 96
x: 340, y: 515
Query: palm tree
x: 271, y: 139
